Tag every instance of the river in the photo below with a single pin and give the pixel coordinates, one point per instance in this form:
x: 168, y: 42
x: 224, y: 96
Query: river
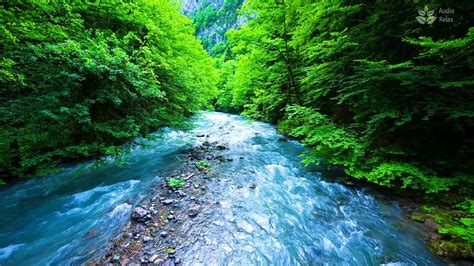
x: 292, y: 217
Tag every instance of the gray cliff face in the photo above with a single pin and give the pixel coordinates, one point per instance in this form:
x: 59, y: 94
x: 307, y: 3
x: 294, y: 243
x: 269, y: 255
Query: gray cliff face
x: 212, y: 19
x: 190, y: 6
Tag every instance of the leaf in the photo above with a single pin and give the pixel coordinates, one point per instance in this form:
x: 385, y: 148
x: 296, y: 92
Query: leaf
x: 430, y: 20
x: 422, y: 13
x: 421, y: 20
x: 467, y: 221
x: 430, y: 13
x: 426, y: 8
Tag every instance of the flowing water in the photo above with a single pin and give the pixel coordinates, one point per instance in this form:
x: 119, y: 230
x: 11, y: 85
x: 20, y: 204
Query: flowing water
x: 293, y: 217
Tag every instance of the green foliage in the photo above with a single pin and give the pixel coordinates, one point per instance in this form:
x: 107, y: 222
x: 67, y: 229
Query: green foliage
x: 457, y: 223
x: 203, y: 164
x: 363, y: 84
x: 175, y: 182
x: 78, y: 79
x: 467, y: 206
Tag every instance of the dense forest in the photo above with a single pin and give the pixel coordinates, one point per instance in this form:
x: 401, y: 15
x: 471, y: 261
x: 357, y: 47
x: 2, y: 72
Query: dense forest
x: 79, y: 79
x: 383, y: 90
x: 387, y: 98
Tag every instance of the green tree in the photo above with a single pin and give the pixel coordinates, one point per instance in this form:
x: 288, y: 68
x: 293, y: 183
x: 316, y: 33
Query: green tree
x: 78, y: 79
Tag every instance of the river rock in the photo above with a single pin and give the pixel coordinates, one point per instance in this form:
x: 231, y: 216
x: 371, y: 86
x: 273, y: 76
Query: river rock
x: 164, y: 234
x: 193, y: 212
x: 180, y: 193
x: 153, y: 258
x: 167, y: 201
x: 147, y: 239
x: 140, y: 214
x: 253, y: 186
x: 221, y: 147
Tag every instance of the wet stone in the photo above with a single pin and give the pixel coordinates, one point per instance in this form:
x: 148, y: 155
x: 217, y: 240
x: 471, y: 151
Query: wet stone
x: 221, y: 147
x: 167, y: 201
x: 140, y: 214
x: 253, y: 186
x: 180, y: 193
x: 193, y: 213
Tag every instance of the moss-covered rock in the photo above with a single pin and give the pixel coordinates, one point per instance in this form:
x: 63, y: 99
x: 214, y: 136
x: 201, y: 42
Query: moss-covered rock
x: 450, y: 249
x: 417, y: 218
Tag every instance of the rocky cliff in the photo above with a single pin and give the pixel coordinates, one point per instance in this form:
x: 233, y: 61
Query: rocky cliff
x: 212, y: 19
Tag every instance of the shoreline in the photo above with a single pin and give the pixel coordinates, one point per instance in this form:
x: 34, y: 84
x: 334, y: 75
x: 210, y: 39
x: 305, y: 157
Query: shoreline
x: 155, y: 229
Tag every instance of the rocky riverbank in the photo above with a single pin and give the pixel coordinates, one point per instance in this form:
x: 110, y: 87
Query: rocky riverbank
x: 156, y: 230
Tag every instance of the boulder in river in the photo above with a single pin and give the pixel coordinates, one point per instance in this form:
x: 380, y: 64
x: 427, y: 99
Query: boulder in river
x: 140, y: 214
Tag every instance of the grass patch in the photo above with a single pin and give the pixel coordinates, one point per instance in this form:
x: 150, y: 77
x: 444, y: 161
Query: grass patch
x: 203, y: 164
x: 175, y: 182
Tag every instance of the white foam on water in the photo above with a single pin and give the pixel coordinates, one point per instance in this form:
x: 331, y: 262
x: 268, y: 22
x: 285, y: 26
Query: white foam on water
x: 7, y: 251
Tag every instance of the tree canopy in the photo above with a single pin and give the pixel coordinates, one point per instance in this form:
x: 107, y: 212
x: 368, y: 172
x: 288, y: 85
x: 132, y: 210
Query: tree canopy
x: 79, y: 78
x: 363, y: 83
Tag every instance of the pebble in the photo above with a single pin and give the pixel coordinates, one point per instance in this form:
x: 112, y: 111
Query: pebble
x: 164, y: 234
x: 193, y: 212
x: 253, y: 186
x: 147, y: 239
x: 170, y: 217
x: 167, y: 201
x: 180, y: 193
x: 153, y: 258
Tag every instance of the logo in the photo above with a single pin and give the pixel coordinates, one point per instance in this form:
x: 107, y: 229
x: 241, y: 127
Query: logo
x: 426, y: 16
